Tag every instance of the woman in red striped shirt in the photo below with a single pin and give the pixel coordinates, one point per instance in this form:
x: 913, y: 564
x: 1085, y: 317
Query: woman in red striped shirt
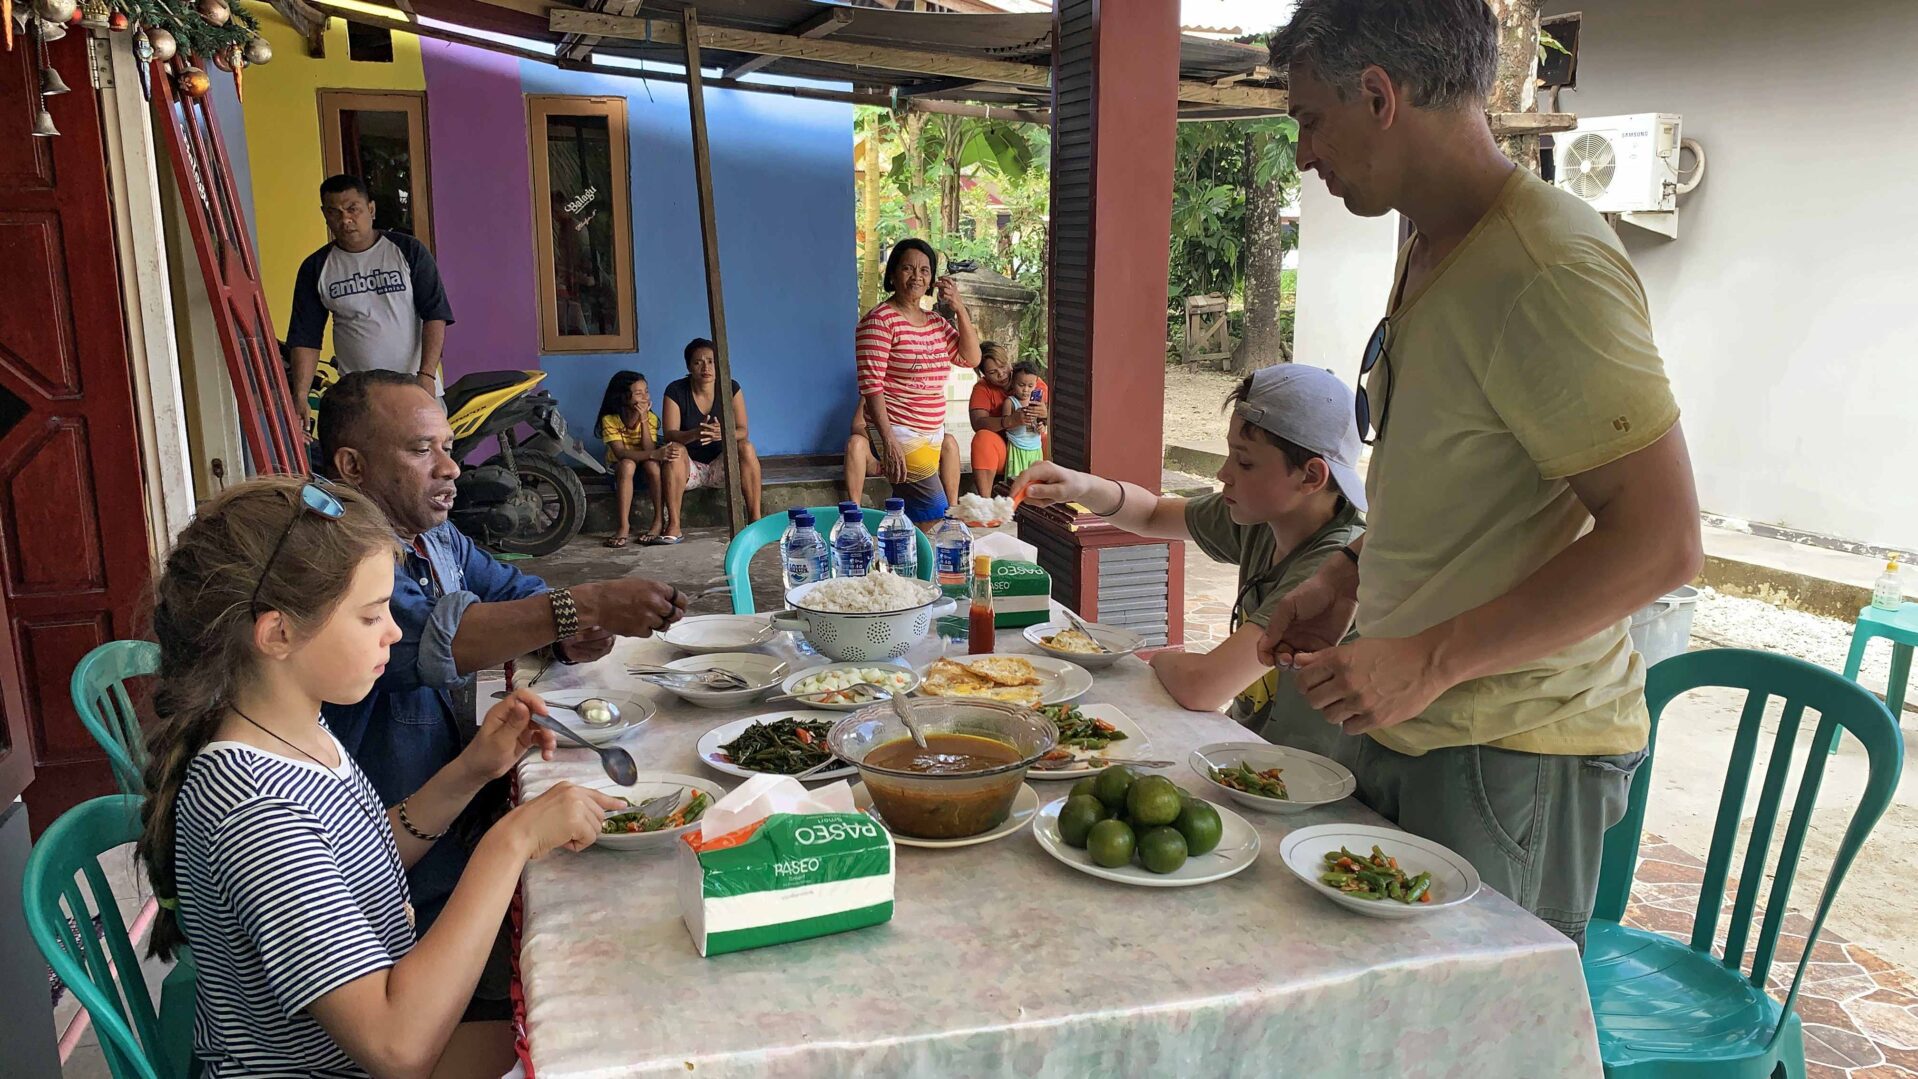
x: 903, y: 351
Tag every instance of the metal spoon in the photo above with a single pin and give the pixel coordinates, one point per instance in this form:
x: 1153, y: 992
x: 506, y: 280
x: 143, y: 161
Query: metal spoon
x: 619, y: 764
x: 1085, y: 628
x: 596, y: 711
x: 903, y: 709
x: 711, y: 678
x: 879, y: 693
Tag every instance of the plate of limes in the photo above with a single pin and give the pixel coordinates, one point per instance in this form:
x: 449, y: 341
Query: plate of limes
x: 1146, y: 831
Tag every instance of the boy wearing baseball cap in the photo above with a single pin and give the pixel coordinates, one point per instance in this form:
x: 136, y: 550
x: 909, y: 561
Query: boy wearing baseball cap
x: 1291, y: 497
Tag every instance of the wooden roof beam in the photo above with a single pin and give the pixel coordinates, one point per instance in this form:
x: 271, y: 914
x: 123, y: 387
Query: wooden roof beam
x: 726, y: 39
x: 1531, y: 123
x: 824, y: 24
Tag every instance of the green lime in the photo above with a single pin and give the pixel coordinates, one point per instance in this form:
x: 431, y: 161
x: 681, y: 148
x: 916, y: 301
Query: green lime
x: 1111, y: 785
x: 1200, y: 825
x: 1086, y: 786
x: 1077, y: 817
x: 1153, y: 801
x: 1162, y: 849
x: 1110, y: 843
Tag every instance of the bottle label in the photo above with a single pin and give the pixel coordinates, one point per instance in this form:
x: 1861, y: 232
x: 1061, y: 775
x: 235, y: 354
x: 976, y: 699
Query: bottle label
x: 897, y: 549
x: 954, y: 566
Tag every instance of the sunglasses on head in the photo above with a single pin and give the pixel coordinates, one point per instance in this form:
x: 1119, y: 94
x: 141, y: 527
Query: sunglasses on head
x: 314, y: 498
x: 1377, y: 351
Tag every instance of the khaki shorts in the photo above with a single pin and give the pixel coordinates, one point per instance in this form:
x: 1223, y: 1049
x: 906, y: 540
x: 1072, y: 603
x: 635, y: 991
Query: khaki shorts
x: 1532, y: 824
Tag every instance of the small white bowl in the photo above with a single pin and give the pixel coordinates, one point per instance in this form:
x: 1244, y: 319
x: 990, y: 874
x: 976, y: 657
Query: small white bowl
x: 1454, y: 881
x: 791, y: 684
x: 1122, y: 642
x: 706, y: 634
x: 1310, y: 779
x: 760, y: 672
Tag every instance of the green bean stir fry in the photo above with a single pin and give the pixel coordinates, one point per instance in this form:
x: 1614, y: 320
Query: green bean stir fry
x: 1374, y: 876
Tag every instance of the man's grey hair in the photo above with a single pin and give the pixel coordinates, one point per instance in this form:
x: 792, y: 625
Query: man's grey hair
x: 1442, y: 52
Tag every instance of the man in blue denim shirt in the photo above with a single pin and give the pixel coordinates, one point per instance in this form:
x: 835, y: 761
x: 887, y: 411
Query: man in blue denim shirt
x: 459, y: 609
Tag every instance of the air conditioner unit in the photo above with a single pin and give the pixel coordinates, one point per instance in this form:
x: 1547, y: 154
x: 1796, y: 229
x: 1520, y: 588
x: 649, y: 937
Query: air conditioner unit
x: 1621, y: 164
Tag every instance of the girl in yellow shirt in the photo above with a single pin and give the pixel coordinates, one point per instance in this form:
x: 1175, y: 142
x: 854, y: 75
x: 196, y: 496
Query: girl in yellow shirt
x: 630, y: 429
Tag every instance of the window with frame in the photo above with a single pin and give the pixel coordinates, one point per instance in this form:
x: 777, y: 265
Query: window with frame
x: 581, y: 207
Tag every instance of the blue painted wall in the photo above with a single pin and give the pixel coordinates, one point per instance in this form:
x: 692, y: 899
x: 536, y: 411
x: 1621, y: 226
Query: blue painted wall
x: 783, y: 193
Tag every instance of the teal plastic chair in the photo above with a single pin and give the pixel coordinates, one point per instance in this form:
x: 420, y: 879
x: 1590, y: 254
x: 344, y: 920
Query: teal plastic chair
x: 767, y: 530
x: 99, y: 689
x: 135, y: 1041
x: 1900, y: 627
x: 1669, y: 1008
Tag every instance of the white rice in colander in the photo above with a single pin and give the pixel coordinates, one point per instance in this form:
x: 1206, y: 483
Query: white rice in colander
x: 875, y: 593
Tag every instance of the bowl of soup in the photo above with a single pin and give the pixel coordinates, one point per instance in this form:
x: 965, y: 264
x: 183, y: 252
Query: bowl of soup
x: 962, y: 782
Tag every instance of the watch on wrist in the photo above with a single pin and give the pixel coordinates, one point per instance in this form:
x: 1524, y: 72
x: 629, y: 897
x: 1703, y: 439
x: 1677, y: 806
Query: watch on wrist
x: 565, y: 613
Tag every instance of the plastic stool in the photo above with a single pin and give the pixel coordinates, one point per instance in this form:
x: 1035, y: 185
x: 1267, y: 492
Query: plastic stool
x: 1900, y: 627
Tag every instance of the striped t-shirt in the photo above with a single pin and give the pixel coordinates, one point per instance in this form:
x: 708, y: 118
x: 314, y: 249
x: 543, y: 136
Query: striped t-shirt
x: 290, y: 886
x: 908, y: 364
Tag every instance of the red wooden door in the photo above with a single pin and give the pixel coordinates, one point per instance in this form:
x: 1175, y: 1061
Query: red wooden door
x: 274, y: 443
x: 74, y: 554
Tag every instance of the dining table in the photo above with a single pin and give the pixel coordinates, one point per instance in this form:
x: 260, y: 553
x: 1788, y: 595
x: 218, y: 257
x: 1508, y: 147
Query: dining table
x: 1001, y: 960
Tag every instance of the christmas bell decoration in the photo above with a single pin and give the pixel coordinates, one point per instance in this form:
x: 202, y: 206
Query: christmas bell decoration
x: 57, y: 12
x: 43, y: 123
x: 51, y: 83
x: 165, y: 47
x: 214, y: 11
x: 258, y: 51
x: 192, y: 83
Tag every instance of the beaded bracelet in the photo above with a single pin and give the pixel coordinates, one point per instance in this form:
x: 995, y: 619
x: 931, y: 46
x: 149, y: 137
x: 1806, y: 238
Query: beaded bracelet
x: 406, y: 822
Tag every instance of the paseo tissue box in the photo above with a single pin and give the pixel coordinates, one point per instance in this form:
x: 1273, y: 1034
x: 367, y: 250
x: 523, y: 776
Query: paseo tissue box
x: 774, y: 863
x: 1021, y: 594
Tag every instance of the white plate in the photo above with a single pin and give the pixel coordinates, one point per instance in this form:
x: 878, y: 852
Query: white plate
x: 1025, y: 805
x: 1310, y: 779
x: 634, y: 712
x: 792, y: 681
x: 651, y: 785
x: 1135, y: 745
x: 1060, y: 682
x: 708, y: 633
x: 1236, y: 836
x: 1123, y: 643
x: 1453, y: 879
x: 710, y: 742
x: 757, y: 669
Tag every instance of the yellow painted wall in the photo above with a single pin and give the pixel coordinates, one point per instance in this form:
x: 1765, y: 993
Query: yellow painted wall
x: 283, y: 142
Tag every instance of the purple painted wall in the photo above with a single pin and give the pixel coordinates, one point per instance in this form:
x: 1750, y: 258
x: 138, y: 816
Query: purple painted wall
x: 482, y: 207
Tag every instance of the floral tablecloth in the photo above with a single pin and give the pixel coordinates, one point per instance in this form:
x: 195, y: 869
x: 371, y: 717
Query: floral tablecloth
x: 1001, y: 961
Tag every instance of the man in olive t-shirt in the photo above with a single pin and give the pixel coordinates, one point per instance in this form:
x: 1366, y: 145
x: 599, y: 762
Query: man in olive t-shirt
x: 1529, y: 485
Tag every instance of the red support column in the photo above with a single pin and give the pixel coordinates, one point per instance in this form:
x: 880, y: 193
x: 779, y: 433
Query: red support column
x: 1114, y: 116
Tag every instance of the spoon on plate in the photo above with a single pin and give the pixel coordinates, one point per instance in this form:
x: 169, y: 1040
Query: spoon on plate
x: 619, y: 764
x: 596, y: 711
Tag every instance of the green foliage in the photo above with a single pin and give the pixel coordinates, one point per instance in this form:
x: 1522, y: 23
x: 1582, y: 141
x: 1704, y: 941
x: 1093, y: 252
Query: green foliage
x: 1208, y: 198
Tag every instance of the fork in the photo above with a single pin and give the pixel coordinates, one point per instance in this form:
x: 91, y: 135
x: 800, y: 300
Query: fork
x: 652, y: 808
x: 712, y: 677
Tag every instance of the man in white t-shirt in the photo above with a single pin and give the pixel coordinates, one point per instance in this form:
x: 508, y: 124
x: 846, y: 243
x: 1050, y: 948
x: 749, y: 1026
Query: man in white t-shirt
x: 382, y: 290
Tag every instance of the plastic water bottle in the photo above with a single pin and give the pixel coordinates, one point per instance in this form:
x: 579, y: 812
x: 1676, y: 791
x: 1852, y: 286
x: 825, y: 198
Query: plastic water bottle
x: 852, y: 552
x: 838, y: 525
x: 952, y: 562
x: 898, y: 544
x: 1888, y: 592
x: 803, y: 552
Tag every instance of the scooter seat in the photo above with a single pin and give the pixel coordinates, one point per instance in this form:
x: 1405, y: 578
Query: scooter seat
x: 480, y: 383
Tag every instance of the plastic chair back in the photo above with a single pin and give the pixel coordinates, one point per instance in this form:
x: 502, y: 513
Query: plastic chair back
x: 1839, y: 703
x: 767, y: 531
x: 99, y: 689
x: 58, y: 908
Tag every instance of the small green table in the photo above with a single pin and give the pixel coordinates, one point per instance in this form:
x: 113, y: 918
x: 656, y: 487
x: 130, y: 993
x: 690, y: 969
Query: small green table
x: 1900, y: 627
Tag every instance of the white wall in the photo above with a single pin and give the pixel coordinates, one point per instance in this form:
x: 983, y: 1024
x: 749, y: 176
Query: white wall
x: 1785, y: 309
x: 1345, y: 274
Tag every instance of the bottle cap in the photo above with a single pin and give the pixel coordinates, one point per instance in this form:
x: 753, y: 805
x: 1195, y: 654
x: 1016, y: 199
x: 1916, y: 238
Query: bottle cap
x: 844, y: 506
x: 793, y: 515
x: 803, y: 519
x: 981, y: 565
x: 1891, y: 566
x: 895, y: 505
x: 851, y: 514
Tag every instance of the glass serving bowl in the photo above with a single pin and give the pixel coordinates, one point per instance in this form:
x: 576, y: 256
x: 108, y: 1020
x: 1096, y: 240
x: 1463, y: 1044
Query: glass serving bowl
x: 944, y: 805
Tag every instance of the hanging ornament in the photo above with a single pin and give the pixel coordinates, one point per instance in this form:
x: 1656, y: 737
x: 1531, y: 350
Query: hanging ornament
x: 259, y: 51
x: 163, y: 43
x: 55, y: 11
x: 239, y: 66
x: 6, y: 17
x: 142, y: 47
x: 192, y: 83
x: 43, y: 123
x: 75, y: 18
x: 94, y: 12
x: 117, y: 21
x: 214, y: 11
x: 227, y: 59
